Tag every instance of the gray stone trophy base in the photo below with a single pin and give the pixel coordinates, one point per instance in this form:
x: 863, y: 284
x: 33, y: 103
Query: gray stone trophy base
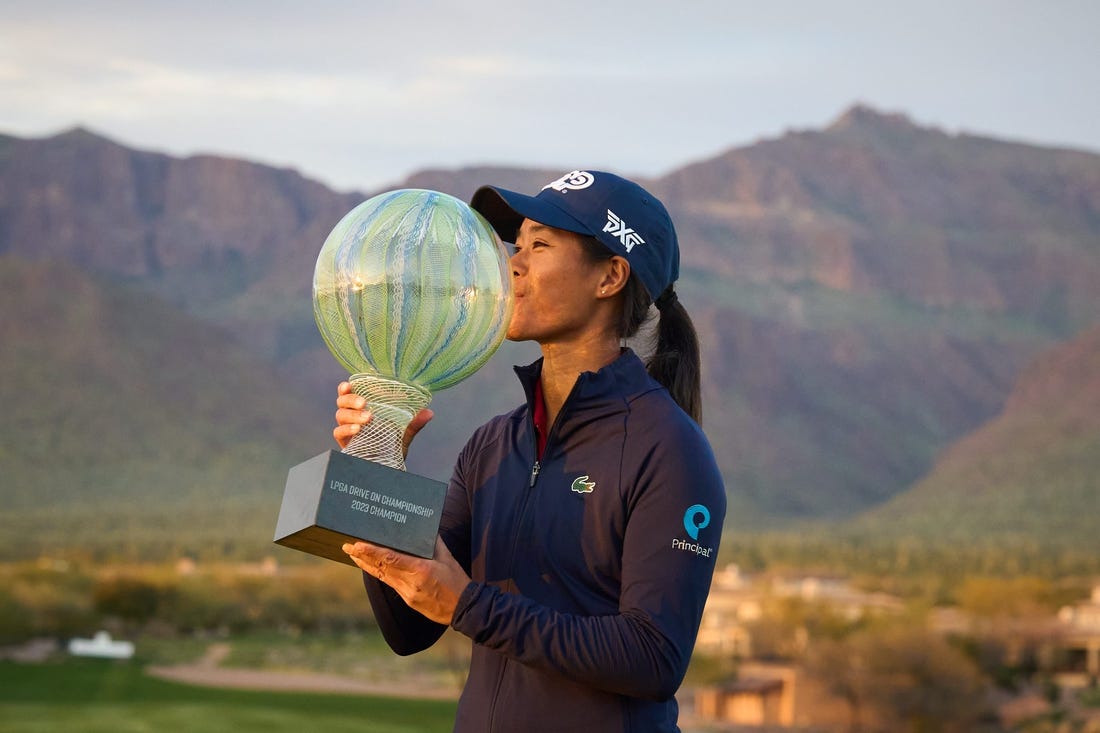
x: 335, y: 498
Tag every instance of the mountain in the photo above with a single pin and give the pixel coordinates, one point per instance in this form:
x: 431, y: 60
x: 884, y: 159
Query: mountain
x: 130, y: 428
x: 865, y: 294
x: 1032, y: 474
x: 868, y: 292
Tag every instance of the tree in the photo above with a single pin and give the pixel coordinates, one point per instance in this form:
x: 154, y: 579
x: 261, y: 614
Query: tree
x: 905, y: 679
x: 841, y: 670
x: 130, y: 599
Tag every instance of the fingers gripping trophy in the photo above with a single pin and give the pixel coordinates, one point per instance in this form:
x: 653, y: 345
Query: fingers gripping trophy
x: 412, y: 294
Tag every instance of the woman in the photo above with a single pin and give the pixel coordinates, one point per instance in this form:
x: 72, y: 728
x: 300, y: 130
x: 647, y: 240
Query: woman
x: 580, y: 531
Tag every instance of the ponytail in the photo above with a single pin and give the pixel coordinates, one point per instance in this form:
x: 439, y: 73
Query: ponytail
x: 675, y: 361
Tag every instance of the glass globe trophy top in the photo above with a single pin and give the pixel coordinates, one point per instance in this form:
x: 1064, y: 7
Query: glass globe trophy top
x: 412, y: 293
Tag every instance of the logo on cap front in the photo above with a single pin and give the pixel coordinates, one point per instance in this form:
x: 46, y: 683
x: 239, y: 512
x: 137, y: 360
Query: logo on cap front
x: 572, y: 181
x: 618, y: 228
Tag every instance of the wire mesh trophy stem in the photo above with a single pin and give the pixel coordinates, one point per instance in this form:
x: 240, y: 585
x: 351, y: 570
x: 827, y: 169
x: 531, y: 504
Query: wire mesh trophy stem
x: 392, y: 405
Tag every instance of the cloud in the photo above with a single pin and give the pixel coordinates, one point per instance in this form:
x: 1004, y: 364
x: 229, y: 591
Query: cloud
x: 361, y: 93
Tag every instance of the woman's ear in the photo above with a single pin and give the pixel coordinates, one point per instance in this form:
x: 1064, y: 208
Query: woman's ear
x: 616, y: 273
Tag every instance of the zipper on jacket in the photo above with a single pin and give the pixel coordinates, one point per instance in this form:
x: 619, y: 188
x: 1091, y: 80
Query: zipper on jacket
x: 515, y: 540
x: 535, y: 469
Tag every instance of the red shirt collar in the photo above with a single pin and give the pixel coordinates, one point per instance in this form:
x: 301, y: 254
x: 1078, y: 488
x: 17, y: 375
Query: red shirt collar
x: 539, y: 417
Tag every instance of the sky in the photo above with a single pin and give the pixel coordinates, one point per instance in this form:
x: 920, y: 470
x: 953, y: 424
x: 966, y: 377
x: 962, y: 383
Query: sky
x: 359, y: 95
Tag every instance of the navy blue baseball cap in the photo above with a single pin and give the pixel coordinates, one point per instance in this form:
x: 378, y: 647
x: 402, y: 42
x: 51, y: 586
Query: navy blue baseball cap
x: 622, y: 215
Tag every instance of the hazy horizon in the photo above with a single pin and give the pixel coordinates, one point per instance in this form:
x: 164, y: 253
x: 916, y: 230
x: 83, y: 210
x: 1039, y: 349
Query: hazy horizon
x: 359, y: 95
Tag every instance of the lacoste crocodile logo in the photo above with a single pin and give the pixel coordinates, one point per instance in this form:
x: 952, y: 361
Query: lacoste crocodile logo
x: 583, y: 486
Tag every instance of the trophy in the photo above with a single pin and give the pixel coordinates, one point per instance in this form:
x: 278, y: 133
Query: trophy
x: 412, y: 293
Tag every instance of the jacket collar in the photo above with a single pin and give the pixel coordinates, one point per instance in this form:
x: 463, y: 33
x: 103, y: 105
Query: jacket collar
x: 617, y: 382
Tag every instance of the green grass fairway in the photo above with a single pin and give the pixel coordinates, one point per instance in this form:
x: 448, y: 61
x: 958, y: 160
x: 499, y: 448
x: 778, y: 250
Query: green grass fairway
x: 93, y: 696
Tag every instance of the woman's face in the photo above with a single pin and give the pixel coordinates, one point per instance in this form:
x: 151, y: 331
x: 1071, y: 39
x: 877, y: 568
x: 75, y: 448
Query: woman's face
x: 555, y: 285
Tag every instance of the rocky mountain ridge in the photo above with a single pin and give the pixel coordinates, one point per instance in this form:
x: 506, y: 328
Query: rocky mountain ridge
x: 865, y: 294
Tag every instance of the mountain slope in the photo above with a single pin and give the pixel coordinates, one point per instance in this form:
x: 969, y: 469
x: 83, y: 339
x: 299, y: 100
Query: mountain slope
x: 1032, y: 474
x: 128, y: 424
x: 877, y: 205
x: 869, y: 292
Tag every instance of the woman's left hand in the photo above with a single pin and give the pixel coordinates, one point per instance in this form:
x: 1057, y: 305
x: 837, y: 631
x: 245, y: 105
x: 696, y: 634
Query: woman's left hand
x: 431, y: 587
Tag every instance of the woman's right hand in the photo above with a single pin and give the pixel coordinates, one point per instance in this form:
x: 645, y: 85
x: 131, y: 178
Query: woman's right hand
x: 352, y: 415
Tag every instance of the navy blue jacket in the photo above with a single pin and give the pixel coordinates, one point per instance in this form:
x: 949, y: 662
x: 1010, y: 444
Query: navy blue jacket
x: 589, y: 568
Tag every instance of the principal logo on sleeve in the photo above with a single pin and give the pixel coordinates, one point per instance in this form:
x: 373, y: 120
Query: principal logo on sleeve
x: 696, y: 518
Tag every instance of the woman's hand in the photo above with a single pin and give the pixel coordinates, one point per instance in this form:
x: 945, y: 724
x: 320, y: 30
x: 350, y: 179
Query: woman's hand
x: 431, y: 587
x: 351, y: 416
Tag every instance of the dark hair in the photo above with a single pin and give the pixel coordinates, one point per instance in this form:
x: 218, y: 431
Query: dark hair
x: 675, y: 361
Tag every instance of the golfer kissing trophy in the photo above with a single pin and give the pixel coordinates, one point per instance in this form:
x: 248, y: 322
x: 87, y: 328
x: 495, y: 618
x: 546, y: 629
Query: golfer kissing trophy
x: 412, y: 293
